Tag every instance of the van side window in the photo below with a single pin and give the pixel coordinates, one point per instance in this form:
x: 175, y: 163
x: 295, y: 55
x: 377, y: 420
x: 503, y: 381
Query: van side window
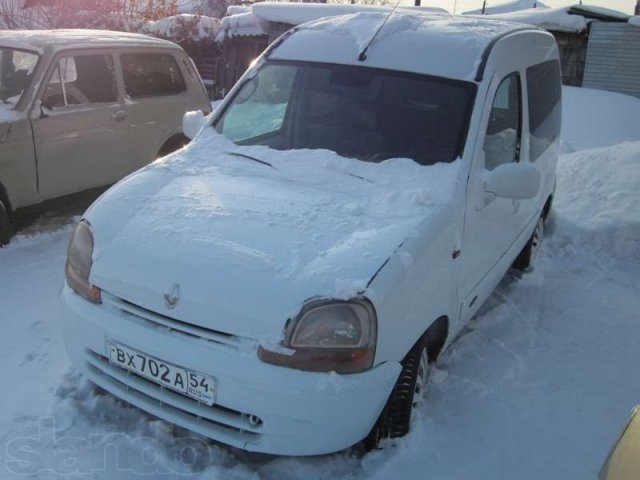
x: 151, y: 75
x: 81, y: 80
x: 502, y: 141
x: 545, y: 112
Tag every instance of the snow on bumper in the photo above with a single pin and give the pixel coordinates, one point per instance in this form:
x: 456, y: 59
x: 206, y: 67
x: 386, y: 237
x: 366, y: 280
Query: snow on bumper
x: 258, y: 407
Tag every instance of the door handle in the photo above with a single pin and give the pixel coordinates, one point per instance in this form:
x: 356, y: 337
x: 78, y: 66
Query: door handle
x: 119, y: 115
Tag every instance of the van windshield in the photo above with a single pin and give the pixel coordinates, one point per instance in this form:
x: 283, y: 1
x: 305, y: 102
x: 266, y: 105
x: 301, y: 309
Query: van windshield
x: 358, y: 112
x: 16, y: 70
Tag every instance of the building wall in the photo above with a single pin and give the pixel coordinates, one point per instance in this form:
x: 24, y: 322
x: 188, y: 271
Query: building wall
x: 237, y: 55
x: 613, y: 58
x: 573, y: 54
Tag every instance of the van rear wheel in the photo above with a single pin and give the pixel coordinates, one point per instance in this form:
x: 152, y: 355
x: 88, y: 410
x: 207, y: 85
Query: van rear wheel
x: 406, y: 397
x: 6, y: 227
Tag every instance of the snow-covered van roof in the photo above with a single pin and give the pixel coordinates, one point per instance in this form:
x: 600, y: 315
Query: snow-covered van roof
x: 40, y: 40
x: 442, y: 45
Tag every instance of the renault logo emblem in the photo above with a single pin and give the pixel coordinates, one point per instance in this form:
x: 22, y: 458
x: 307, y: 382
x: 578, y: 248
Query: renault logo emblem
x: 172, y: 297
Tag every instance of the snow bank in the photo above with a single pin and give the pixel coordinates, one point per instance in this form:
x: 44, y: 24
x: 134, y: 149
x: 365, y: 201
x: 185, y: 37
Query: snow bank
x: 196, y: 27
x: 558, y: 19
x: 597, y: 193
x: 635, y: 21
x: 598, y: 118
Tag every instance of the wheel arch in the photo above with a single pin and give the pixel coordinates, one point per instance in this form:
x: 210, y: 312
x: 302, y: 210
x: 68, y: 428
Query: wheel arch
x: 546, y: 210
x: 173, y: 143
x: 436, y: 337
x: 4, y: 198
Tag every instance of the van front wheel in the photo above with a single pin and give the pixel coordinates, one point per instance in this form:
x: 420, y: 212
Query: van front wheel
x: 530, y: 251
x: 405, y: 399
x: 6, y: 227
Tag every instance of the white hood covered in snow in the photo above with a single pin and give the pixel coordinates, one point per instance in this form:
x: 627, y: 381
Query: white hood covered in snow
x: 249, y: 243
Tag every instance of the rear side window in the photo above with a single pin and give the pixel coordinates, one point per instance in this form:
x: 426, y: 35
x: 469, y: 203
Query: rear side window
x: 545, y: 111
x: 151, y: 75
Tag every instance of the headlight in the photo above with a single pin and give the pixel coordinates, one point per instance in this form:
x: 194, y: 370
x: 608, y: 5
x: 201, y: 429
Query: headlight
x: 328, y: 335
x: 79, y: 263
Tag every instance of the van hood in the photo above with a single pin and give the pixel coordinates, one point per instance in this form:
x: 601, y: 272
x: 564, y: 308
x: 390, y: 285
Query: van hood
x: 249, y: 243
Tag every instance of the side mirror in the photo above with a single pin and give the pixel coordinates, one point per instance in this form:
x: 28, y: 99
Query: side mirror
x: 518, y: 181
x: 192, y: 123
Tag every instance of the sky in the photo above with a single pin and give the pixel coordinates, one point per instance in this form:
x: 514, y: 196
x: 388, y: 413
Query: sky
x: 626, y: 6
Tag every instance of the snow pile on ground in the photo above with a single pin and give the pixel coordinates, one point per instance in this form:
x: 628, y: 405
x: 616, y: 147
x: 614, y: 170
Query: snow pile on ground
x: 598, y: 118
x: 183, y: 26
x: 507, y: 7
x: 598, y: 191
x: 635, y: 21
x: 557, y: 19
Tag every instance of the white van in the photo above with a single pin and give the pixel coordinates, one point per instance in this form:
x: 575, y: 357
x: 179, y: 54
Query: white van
x: 80, y: 109
x: 284, y: 282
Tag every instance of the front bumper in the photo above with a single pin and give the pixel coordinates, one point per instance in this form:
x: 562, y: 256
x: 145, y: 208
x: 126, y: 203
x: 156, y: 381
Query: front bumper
x: 258, y: 407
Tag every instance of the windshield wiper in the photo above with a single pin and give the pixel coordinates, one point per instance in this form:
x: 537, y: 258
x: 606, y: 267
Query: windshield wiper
x: 243, y: 155
x: 358, y: 176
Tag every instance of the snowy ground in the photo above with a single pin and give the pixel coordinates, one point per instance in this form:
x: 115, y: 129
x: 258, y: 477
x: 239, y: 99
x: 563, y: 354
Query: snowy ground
x: 537, y: 387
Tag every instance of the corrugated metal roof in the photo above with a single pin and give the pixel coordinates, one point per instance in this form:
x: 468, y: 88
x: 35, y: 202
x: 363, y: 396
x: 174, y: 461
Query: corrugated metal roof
x: 613, y: 58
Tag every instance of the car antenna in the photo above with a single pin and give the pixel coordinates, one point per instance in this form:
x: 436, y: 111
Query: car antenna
x: 363, y: 54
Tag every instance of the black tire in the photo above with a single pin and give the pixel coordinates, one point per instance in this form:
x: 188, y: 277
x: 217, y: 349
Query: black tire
x: 527, y: 256
x: 395, y: 419
x: 6, y: 227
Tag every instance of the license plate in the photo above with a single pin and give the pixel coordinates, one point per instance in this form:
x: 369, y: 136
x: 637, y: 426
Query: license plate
x: 187, y: 382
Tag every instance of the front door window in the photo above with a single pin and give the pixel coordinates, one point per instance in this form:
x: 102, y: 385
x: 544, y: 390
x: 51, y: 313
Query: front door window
x: 502, y: 141
x: 81, y: 80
